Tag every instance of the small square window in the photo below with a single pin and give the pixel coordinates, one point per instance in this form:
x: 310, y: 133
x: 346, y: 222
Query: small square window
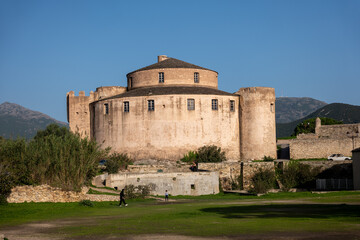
x: 196, y: 77
x: 126, y: 107
x: 106, y: 108
x: 232, y: 105
x: 151, y: 105
x: 214, y: 104
x: 191, y: 104
x: 161, y: 77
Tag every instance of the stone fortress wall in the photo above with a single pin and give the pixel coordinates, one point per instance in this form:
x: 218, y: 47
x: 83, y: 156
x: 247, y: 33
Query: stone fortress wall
x: 176, y: 183
x: 170, y: 131
x: 257, y: 122
x: 327, y: 140
x: 245, y: 133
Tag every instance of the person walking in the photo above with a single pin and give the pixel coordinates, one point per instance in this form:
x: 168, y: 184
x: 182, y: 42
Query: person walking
x: 122, y: 198
x: 166, y: 196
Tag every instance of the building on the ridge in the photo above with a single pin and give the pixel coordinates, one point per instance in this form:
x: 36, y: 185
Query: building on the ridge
x: 172, y: 107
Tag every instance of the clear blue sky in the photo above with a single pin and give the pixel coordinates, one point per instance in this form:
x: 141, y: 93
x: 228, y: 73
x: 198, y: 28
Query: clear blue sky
x: 307, y: 48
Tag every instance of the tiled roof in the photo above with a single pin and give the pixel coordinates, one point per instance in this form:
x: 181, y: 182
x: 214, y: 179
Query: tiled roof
x: 151, y: 91
x: 170, y: 63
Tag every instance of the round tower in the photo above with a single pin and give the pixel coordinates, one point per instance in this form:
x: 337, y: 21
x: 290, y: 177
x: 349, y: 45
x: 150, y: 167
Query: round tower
x: 257, y: 123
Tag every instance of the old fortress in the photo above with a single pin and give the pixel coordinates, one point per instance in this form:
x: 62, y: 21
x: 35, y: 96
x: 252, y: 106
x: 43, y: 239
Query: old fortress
x: 172, y: 107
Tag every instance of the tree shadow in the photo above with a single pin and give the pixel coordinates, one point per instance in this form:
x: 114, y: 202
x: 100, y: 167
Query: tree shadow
x: 288, y: 211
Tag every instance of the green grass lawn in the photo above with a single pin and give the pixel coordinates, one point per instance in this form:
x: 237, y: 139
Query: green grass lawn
x: 217, y: 215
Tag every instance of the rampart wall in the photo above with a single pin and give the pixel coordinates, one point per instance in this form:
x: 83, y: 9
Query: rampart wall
x: 322, y: 147
x: 170, y: 130
x: 338, y: 131
x: 230, y: 171
x: 177, y: 183
x: 45, y: 193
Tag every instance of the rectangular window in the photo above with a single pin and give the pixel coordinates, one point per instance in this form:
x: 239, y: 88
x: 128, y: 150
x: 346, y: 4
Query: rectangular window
x: 232, y: 105
x: 151, y: 105
x: 126, y: 107
x: 214, y: 104
x: 196, y: 77
x: 130, y: 82
x: 161, y: 77
x: 106, y: 108
x: 191, y: 104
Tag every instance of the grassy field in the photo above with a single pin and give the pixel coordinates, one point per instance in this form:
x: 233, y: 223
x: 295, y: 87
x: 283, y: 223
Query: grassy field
x: 220, y: 215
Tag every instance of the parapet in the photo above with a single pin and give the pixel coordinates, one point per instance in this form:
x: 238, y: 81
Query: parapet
x: 257, y: 90
x: 101, y: 92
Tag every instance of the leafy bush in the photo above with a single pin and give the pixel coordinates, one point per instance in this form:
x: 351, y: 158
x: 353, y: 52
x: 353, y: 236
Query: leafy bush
x: 116, y: 162
x: 86, y: 203
x: 237, y: 183
x: 55, y: 156
x: 140, y: 191
x: 210, y: 153
x: 262, y: 181
x: 6, y: 183
x: 296, y: 174
x: 190, y: 157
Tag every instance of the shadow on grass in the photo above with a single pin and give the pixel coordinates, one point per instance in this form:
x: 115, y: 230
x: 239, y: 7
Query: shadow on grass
x: 288, y: 211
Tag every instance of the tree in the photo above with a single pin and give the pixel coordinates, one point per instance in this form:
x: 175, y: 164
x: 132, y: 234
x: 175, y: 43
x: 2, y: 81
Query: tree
x: 308, y: 125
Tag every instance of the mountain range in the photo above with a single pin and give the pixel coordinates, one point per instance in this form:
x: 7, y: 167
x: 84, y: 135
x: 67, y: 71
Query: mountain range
x: 17, y: 121
x: 290, y: 109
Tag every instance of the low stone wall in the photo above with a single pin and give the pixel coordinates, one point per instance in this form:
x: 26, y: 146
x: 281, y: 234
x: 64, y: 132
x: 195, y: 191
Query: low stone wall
x: 176, y: 183
x: 45, y: 193
x: 321, y: 148
x: 230, y: 171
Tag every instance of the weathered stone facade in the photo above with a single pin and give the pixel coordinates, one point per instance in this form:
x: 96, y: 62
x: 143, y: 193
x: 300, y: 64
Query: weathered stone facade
x: 176, y: 183
x: 172, y: 107
x: 230, y: 171
x: 45, y: 193
x: 327, y: 140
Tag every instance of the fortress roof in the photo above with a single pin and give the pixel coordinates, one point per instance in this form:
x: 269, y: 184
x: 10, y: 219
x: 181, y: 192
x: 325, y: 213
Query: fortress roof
x: 179, y: 90
x: 170, y: 63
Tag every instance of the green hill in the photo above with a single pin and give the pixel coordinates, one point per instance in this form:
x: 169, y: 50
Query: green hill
x: 338, y: 111
x: 17, y: 121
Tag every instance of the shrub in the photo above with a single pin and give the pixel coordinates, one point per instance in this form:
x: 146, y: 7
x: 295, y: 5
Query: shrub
x: 296, y: 174
x: 190, y: 157
x: 86, y: 203
x: 116, y: 162
x: 140, y: 191
x: 263, y: 181
x: 6, y: 183
x: 210, y: 153
x: 55, y: 156
x: 237, y: 183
